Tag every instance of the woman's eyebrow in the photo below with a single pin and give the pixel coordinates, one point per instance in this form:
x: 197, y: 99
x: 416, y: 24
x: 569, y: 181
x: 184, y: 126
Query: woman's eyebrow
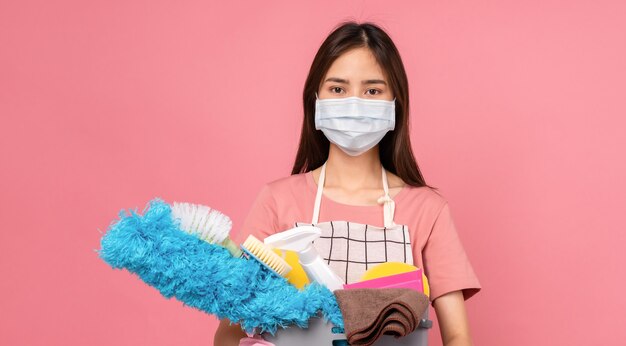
x: 368, y: 81
x: 374, y: 81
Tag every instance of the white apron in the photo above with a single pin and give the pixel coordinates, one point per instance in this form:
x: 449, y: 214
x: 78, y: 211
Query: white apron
x: 351, y: 248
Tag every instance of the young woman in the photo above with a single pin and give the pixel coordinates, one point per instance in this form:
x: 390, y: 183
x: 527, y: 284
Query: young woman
x: 355, y: 177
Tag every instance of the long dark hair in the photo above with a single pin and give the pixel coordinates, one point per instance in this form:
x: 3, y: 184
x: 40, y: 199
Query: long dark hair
x: 395, y: 151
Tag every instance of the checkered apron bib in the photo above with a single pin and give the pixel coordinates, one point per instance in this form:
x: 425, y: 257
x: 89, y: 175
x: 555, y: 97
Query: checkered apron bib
x: 351, y: 248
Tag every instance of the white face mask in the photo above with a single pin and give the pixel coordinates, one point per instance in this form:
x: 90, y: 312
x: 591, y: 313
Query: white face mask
x: 354, y: 124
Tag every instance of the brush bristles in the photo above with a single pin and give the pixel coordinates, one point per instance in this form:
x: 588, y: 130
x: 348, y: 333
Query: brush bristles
x: 207, y: 224
x: 266, y: 255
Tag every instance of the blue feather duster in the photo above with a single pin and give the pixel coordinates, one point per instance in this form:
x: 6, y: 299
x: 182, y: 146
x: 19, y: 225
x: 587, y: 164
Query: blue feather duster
x: 207, y: 277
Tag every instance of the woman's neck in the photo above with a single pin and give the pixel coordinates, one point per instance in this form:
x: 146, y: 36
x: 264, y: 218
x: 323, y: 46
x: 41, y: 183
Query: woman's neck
x: 353, y: 172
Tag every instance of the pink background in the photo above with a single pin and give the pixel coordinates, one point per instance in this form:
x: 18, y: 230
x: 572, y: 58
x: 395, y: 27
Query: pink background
x: 517, y: 115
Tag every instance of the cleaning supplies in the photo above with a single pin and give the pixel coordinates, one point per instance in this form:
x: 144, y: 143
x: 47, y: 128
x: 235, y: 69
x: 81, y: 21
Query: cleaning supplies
x: 412, y: 280
x: 371, y: 313
x: 207, y: 224
x: 297, y: 276
x: 259, y: 251
x: 207, y: 277
x: 214, y: 227
x: 300, y: 239
x: 394, y: 268
x: 386, y: 269
x: 317, y: 333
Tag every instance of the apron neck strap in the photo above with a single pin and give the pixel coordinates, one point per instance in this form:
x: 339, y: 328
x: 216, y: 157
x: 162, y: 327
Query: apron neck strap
x: 318, y: 196
x: 388, y: 203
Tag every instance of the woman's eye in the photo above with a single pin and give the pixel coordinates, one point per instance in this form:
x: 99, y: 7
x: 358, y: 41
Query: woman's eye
x: 333, y: 89
x: 376, y: 92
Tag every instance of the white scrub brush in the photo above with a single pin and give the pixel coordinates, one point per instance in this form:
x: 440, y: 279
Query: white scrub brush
x: 213, y: 227
x: 207, y: 224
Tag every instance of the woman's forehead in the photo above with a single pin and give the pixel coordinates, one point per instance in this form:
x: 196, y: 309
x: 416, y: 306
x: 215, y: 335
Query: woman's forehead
x: 355, y: 66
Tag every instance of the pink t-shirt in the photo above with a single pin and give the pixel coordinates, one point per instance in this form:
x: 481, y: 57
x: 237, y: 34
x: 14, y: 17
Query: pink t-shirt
x: 436, y: 245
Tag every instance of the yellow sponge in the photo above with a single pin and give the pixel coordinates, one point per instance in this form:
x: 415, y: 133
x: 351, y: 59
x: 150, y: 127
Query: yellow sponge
x: 387, y: 269
x: 297, y: 276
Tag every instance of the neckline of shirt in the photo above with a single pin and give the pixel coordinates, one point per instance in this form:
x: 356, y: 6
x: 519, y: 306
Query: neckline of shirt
x: 313, y: 187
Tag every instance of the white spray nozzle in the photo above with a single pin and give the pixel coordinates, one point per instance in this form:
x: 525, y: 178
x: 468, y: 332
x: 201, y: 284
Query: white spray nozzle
x: 300, y: 239
x: 297, y: 239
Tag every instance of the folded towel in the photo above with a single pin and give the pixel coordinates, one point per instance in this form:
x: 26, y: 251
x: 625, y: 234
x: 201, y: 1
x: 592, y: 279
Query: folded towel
x: 369, y: 313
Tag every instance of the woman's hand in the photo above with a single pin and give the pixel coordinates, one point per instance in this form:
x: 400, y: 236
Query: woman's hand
x: 254, y: 340
x: 452, y: 318
x: 228, y: 335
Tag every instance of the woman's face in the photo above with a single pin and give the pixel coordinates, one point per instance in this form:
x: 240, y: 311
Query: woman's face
x: 356, y: 73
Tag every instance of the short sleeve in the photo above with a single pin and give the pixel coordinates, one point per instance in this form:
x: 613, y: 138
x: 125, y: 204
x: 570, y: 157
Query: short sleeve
x: 261, y: 220
x: 446, y: 264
